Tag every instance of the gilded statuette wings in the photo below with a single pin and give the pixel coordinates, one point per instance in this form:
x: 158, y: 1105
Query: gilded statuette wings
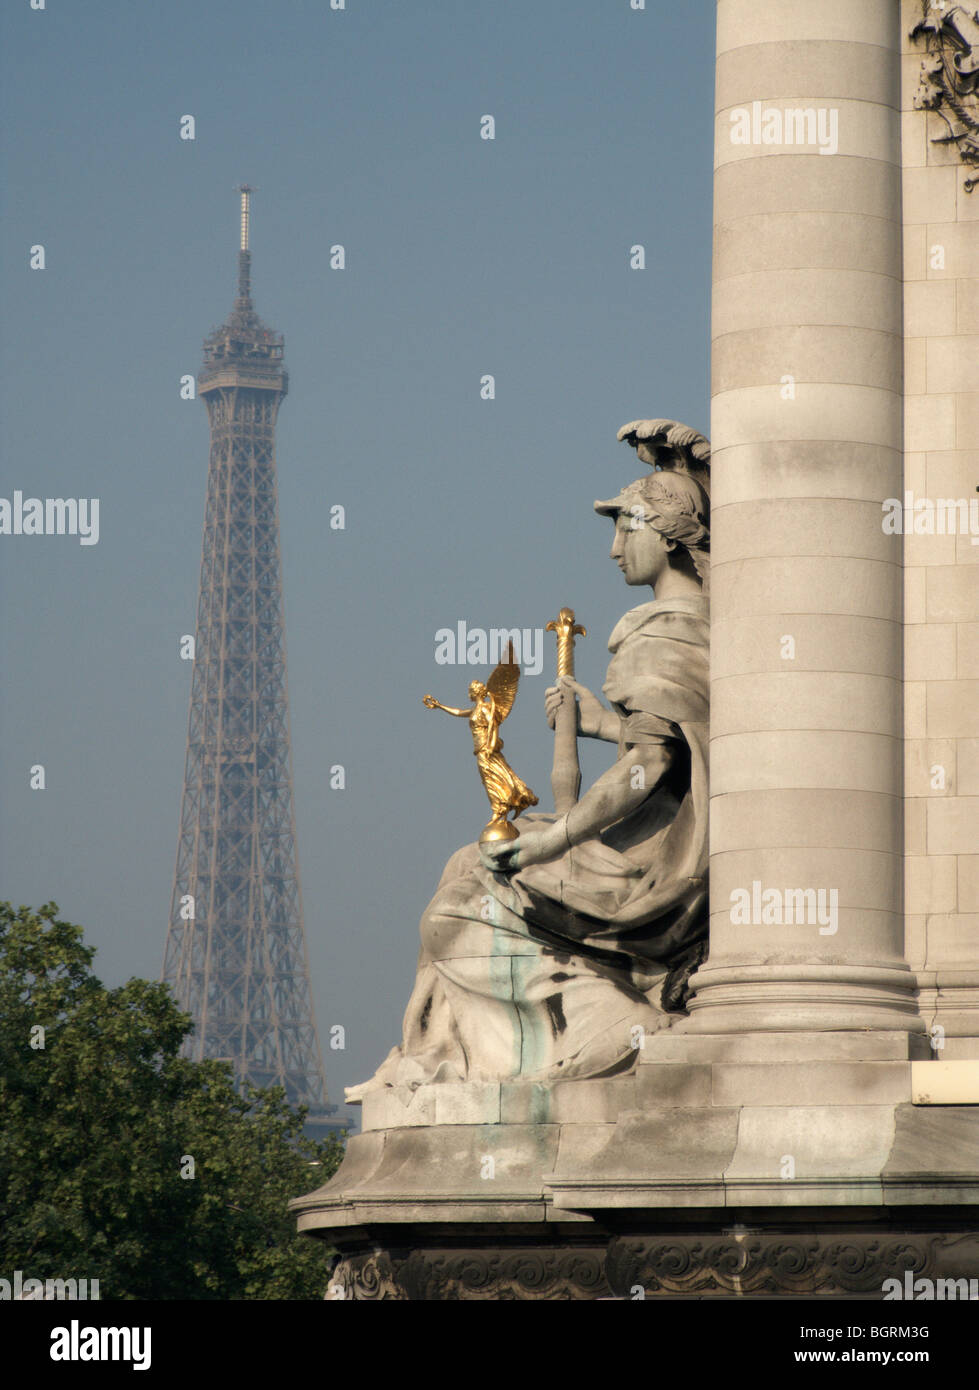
x: 502, y: 684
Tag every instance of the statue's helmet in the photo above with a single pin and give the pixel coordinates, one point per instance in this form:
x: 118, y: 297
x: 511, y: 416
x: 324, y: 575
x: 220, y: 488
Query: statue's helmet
x: 675, y: 498
x: 668, y: 445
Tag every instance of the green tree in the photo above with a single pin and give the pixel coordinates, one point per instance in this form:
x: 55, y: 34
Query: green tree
x: 102, y: 1124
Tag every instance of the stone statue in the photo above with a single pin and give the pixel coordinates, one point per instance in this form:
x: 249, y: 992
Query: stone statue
x: 551, y: 956
x: 492, y: 703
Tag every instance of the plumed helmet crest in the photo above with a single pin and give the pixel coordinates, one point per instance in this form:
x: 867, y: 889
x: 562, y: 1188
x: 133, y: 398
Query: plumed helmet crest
x: 667, y: 444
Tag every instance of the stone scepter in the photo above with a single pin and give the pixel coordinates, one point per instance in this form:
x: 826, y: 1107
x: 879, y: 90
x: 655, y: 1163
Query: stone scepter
x: 566, y: 773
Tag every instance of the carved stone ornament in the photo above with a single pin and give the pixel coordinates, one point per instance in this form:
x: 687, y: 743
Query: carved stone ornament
x: 472, y: 1276
x: 950, y: 76
x: 736, y: 1263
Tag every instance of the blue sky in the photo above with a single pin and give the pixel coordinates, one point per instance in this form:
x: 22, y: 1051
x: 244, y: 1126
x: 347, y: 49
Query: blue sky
x: 464, y: 257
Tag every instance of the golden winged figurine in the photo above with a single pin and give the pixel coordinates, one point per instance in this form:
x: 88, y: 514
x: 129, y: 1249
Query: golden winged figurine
x: 492, y: 703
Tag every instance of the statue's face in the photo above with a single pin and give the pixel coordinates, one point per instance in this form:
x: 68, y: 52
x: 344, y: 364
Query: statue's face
x: 476, y: 690
x: 643, y: 555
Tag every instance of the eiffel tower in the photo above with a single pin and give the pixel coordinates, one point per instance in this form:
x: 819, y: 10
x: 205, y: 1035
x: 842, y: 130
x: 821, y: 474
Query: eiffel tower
x: 236, y: 948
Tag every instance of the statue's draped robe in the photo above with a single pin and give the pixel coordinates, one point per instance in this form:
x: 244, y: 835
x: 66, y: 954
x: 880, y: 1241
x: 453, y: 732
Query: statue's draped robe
x: 549, y: 972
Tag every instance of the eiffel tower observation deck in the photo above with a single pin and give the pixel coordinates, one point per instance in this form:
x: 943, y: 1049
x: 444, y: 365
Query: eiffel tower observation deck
x: 236, y: 948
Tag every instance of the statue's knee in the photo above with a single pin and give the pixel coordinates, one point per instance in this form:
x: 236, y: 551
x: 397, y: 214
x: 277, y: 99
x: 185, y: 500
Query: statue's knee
x: 463, y: 862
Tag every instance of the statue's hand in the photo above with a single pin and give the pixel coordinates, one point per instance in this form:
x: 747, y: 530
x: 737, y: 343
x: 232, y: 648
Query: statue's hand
x: 430, y: 702
x: 590, y: 709
x: 532, y: 847
x: 502, y: 856
x: 507, y: 856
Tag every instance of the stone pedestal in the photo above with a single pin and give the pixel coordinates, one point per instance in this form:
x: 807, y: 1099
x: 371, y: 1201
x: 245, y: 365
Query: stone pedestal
x: 725, y: 1166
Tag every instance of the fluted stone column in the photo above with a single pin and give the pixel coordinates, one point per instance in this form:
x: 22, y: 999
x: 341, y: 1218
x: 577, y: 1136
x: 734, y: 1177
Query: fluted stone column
x: 806, y: 596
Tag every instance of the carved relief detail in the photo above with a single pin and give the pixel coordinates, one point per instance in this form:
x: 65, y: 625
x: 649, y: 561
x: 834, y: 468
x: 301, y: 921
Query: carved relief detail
x: 732, y: 1264
x: 950, y: 77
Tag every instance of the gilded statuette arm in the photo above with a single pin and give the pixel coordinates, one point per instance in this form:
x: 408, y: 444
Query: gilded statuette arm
x: 430, y: 702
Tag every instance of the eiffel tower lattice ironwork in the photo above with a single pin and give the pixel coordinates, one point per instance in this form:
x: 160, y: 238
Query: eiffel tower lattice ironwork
x: 236, y: 947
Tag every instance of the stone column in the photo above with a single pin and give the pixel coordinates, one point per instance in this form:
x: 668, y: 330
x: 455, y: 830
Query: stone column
x: 806, y: 596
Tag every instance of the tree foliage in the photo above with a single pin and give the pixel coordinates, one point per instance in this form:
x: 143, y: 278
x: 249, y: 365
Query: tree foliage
x: 102, y: 1125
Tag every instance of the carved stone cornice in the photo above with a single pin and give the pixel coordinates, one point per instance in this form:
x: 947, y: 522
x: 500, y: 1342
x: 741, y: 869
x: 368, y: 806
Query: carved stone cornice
x: 436, y: 1276
x: 736, y: 1262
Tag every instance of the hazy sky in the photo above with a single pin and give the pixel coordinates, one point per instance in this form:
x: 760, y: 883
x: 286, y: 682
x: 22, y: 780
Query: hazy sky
x: 464, y: 257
